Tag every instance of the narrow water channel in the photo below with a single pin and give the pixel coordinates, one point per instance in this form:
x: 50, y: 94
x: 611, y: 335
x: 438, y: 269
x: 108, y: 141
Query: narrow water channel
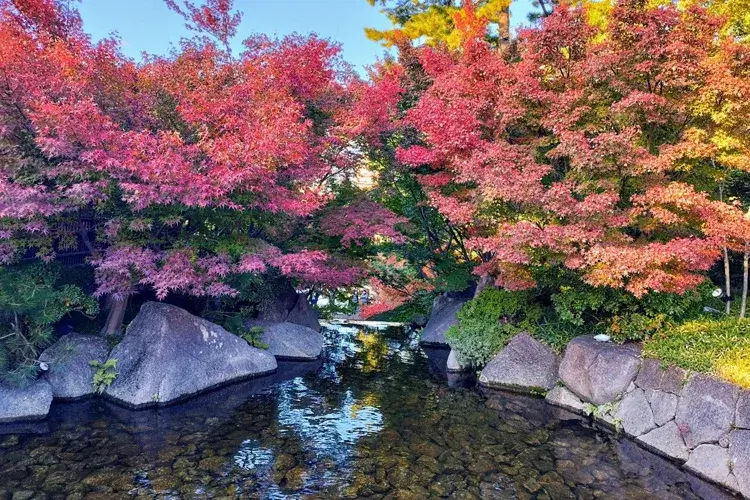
x: 375, y: 418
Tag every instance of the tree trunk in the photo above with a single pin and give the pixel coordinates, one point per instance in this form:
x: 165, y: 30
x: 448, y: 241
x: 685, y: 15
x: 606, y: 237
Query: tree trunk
x: 745, y: 259
x: 727, y: 273
x: 727, y: 282
x: 115, y: 316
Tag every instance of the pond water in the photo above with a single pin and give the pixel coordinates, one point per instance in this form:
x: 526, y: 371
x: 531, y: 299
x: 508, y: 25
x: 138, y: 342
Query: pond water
x: 375, y: 418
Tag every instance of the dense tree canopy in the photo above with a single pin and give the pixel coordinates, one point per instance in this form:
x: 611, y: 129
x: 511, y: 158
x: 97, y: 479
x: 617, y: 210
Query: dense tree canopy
x: 189, y: 167
x: 602, y: 146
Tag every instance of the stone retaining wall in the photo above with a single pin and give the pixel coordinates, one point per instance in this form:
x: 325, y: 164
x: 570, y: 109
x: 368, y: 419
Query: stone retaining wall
x: 691, y: 418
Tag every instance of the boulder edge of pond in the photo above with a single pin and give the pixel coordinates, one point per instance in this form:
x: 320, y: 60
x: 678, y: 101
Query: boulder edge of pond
x: 290, y: 341
x: 453, y: 365
x: 25, y: 404
x: 524, y: 365
x: 168, y: 355
x: 692, y: 419
x: 442, y: 317
x: 598, y: 372
x: 70, y: 372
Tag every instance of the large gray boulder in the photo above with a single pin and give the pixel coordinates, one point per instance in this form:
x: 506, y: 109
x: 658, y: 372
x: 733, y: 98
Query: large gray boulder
x: 69, y: 358
x: 663, y: 404
x: 742, y: 417
x: 168, y: 354
x: 598, y: 372
x: 303, y: 314
x: 442, y: 317
x: 453, y: 365
x: 524, y: 365
x: 654, y: 376
x: 292, y: 342
x: 27, y: 403
x: 706, y: 409
x: 562, y: 397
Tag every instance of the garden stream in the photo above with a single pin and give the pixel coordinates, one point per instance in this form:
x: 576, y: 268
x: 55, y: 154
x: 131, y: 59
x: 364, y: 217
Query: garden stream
x: 375, y: 418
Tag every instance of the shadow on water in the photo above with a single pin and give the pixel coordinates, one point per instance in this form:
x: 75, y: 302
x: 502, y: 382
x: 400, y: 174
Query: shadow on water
x: 374, y: 418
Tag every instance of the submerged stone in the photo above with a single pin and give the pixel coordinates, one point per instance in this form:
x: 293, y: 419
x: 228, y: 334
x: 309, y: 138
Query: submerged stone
x: 70, y: 373
x: 27, y: 403
x: 599, y: 371
x: 524, y: 365
x: 168, y: 354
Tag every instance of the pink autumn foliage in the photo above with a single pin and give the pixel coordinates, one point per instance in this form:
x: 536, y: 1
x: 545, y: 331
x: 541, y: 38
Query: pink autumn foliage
x: 200, y: 128
x: 604, y: 201
x: 361, y: 221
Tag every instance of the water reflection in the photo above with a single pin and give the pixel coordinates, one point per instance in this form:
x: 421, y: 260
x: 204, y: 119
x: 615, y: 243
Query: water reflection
x: 373, y: 419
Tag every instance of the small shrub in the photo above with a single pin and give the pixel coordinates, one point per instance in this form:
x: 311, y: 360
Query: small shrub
x: 487, y: 323
x: 253, y: 337
x: 32, y: 300
x: 105, y: 374
x: 622, y: 315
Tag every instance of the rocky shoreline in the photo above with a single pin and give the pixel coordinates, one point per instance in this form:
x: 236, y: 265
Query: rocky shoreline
x: 166, y: 356
x: 693, y: 419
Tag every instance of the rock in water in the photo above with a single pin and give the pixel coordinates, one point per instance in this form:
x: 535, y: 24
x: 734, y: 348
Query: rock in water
x: 292, y: 342
x: 69, y: 371
x: 30, y: 402
x: 598, y: 372
x: 524, y: 365
x: 453, y: 365
x: 168, y: 354
x: 443, y: 316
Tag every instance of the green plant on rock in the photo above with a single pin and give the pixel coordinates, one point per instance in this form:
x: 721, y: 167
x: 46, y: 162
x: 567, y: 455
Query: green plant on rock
x: 488, y: 322
x: 253, y: 336
x: 105, y: 374
x: 32, y: 300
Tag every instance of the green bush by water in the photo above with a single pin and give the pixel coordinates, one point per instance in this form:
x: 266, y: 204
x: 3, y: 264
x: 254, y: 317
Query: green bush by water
x: 487, y: 323
x: 32, y: 300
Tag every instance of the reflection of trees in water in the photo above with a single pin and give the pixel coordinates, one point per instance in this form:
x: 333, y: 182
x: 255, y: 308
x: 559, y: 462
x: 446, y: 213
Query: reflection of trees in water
x: 326, y: 431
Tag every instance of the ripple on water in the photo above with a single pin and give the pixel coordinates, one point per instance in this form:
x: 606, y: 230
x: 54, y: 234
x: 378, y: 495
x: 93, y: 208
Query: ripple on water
x: 374, y: 419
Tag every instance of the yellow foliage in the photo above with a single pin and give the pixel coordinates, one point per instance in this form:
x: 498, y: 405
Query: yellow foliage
x: 435, y: 25
x: 735, y: 367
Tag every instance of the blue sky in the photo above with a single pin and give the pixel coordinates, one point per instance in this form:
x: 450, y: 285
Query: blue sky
x: 147, y: 25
